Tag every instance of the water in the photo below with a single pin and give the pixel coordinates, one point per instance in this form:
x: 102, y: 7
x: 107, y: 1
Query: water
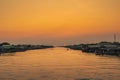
x: 58, y: 64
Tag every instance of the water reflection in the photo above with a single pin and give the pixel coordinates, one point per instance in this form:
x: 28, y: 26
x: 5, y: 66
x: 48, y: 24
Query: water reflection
x: 58, y: 64
x: 8, y: 54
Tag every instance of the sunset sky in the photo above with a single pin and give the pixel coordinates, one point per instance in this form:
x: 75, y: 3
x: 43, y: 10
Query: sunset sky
x: 59, y: 22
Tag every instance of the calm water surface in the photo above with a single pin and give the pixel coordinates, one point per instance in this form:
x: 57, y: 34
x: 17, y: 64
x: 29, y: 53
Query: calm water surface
x: 58, y: 64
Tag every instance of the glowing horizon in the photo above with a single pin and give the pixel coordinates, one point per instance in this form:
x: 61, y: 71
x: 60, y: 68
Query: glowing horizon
x: 58, y: 21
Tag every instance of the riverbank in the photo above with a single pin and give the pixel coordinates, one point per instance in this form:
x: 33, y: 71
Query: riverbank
x: 10, y: 48
x: 102, y: 48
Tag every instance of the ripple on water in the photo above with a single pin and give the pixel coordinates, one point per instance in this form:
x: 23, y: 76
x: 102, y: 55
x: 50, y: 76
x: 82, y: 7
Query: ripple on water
x: 58, y: 64
x: 88, y: 79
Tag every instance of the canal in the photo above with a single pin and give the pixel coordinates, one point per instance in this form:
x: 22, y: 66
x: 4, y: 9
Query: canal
x: 58, y: 64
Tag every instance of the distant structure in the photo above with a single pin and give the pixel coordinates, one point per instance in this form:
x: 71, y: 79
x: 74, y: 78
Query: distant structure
x: 115, y: 38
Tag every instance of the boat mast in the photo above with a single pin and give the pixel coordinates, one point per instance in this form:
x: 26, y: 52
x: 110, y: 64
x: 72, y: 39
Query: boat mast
x: 115, y: 37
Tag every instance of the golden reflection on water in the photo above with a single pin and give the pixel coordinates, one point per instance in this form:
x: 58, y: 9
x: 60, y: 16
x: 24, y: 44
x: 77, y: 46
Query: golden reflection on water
x: 58, y: 64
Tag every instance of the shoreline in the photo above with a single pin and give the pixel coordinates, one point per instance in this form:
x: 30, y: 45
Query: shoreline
x: 102, y: 48
x: 8, y: 48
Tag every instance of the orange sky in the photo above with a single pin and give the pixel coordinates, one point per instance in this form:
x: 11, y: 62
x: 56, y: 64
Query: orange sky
x: 59, y: 21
